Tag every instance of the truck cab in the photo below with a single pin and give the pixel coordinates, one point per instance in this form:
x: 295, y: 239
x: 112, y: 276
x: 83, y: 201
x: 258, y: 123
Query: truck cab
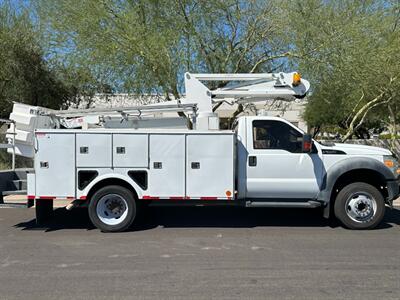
x: 275, y: 170
x: 272, y: 163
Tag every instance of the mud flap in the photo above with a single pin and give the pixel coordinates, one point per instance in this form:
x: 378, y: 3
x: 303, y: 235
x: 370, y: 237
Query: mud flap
x: 44, y: 210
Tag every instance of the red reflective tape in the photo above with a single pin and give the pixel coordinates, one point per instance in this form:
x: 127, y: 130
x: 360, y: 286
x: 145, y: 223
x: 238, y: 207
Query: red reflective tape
x: 176, y: 198
x: 150, y: 198
x: 47, y: 197
x: 208, y: 198
x: 70, y: 198
x: 30, y: 197
x: 82, y: 197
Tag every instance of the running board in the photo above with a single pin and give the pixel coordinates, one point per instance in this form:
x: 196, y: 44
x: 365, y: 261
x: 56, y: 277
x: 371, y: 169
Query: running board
x: 308, y: 204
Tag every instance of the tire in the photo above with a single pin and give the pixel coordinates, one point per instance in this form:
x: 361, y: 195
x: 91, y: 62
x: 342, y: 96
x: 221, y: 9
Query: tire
x: 112, y: 208
x: 359, y: 206
x: 44, y: 210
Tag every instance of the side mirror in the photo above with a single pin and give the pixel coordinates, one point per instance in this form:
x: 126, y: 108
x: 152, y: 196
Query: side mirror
x: 307, y: 143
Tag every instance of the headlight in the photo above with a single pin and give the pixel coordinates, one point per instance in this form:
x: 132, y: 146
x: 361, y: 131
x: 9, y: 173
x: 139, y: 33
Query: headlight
x: 392, y: 163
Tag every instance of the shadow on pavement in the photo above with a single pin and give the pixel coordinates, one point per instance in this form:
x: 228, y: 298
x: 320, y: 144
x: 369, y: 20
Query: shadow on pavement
x: 222, y: 217
x: 61, y: 219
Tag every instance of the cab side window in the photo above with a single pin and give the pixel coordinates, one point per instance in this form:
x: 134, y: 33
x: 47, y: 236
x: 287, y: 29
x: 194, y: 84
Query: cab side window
x: 270, y: 134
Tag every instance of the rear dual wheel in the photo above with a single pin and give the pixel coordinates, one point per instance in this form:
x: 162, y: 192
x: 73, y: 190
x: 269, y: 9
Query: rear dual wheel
x: 112, y: 208
x: 359, y: 206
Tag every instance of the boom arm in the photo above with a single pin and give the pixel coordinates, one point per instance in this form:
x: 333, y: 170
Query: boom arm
x: 245, y: 89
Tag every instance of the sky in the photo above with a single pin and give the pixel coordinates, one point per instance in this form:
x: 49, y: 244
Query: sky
x: 16, y: 3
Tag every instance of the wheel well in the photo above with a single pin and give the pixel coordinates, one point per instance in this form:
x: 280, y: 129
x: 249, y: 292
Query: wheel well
x: 111, y: 181
x: 369, y: 176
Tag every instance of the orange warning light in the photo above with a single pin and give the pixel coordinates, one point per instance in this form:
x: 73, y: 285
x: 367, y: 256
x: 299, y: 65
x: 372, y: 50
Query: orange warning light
x: 296, y: 79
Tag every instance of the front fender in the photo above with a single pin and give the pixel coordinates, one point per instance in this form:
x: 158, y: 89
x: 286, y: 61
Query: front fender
x: 350, y: 164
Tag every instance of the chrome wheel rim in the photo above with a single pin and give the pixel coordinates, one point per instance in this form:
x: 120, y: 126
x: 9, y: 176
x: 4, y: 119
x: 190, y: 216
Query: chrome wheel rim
x: 361, y: 207
x: 112, y: 209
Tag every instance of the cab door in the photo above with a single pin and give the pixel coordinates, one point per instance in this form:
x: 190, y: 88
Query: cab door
x: 276, y: 167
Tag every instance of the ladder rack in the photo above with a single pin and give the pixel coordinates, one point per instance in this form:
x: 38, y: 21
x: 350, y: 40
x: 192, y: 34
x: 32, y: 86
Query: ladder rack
x: 26, y: 119
x: 186, y: 108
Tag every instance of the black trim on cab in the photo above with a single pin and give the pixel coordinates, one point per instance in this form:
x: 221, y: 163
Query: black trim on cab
x: 332, y: 151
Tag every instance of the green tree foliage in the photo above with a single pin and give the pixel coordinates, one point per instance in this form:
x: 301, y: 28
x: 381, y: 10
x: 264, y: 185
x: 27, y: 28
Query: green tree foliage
x: 145, y: 46
x: 25, y: 76
x: 351, y: 52
x: 348, y: 49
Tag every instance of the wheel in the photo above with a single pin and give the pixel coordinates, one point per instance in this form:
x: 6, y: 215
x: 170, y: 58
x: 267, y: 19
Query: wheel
x: 44, y: 210
x: 359, y: 206
x: 112, y: 208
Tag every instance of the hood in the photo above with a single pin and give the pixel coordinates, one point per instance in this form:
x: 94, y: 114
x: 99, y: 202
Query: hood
x: 355, y: 149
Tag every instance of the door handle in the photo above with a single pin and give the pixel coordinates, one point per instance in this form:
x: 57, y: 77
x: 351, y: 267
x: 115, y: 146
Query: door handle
x: 195, y: 165
x: 252, y: 161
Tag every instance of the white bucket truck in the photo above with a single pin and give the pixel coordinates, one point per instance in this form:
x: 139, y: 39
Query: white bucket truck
x: 115, y: 160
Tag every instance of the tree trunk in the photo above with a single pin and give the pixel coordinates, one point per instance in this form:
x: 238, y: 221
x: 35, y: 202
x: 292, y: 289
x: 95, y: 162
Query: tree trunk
x: 359, y: 117
x: 392, y: 128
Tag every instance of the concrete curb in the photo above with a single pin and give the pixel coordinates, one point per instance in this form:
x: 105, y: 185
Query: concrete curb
x: 18, y: 199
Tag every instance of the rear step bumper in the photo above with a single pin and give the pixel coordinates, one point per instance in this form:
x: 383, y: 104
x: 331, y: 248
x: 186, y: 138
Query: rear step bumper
x: 307, y: 204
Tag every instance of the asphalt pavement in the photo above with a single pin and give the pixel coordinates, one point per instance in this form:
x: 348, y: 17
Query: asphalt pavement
x: 198, y: 253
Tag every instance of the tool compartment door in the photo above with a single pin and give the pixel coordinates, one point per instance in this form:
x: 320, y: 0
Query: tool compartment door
x: 167, y: 166
x: 130, y: 150
x: 93, y: 150
x: 210, y: 166
x: 55, y: 165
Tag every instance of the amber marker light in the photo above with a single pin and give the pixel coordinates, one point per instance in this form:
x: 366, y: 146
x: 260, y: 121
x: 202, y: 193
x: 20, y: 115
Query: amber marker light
x: 296, y: 79
x: 389, y: 163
